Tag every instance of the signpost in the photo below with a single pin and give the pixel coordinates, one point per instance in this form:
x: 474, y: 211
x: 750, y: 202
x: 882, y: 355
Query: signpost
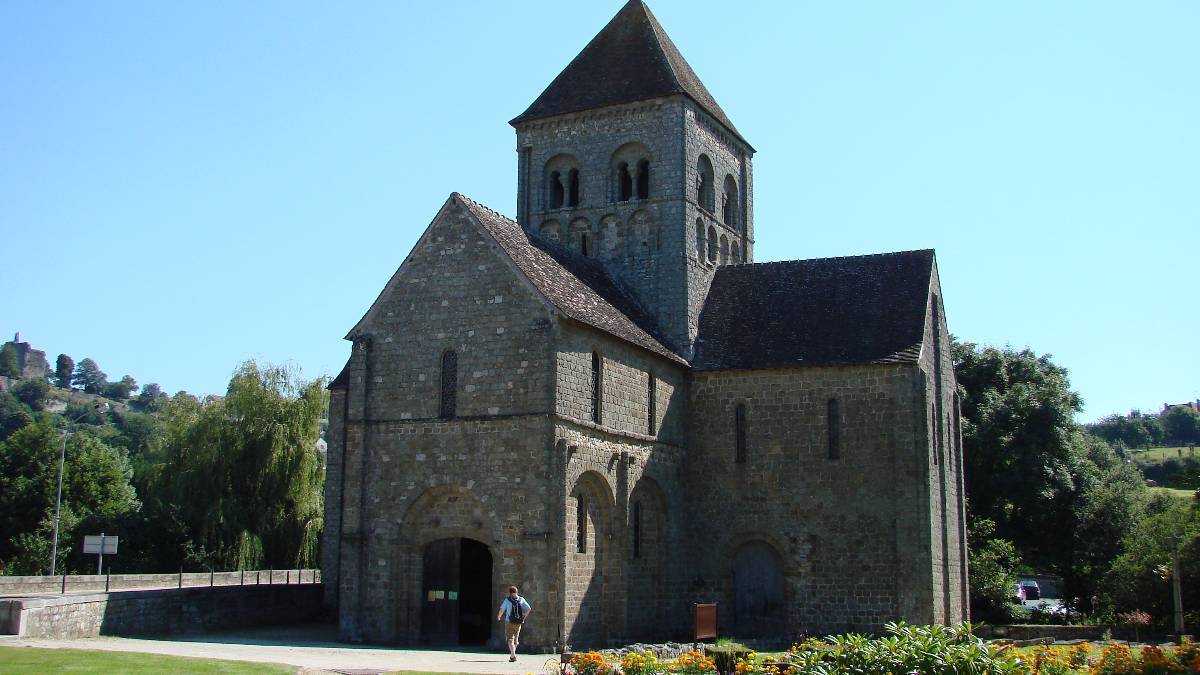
x: 100, y: 545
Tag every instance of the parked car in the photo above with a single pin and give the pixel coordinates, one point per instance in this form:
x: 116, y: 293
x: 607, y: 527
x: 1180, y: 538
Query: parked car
x: 1018, y: 593
x: 1031, y: 588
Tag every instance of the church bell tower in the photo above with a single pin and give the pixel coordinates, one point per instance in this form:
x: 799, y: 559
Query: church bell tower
x: 627, y: 159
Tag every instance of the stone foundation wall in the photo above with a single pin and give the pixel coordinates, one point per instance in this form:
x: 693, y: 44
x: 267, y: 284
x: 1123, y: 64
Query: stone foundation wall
x: 159, y: 612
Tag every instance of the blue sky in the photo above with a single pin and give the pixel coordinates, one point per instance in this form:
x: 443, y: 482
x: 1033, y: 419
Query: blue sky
x: 187, y: 185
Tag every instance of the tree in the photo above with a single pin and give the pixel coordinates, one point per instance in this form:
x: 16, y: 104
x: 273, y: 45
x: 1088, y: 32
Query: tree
x: 152, y: 399
x: 245, y: 469
x: 993, y: 564
x: 1017, y: 421
x: 89, y: 377
x: 32, y: 393
x: 9, y: 364
x: 14, y: 415
x: 64, y: 366
x: 1142, y: 431
x: 120, y: 391
x: 1140, y: 576
x: 1181, y: 425
x: 95, y: 483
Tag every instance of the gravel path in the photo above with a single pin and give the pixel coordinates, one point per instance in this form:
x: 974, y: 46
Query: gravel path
x: 310, y: 647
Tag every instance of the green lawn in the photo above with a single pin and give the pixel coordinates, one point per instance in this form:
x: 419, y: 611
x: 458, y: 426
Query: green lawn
x: 1182, y: 494
x: 1161, y: 454
x: 41, y: 660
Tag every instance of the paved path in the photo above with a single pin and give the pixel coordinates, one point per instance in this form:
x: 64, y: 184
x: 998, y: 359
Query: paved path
x: 312, y: 647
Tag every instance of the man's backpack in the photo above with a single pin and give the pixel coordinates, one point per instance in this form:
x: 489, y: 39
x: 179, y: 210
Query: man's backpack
x: 517, y: 614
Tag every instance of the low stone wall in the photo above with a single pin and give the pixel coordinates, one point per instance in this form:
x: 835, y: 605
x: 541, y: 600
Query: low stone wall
x: 156, y: 612
x: 75, y: 583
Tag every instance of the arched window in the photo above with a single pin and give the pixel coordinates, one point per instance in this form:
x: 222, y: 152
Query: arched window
x: 562, y: 181
x: 449, y: 393
x: 833, y: 425
x: 729, y: 203
x: 597, y: 393
x: 631, y: 172
x: 637, y: 528
x: 581, y: 514
x: 739, y: 434
x: 705, y: 191
x: 651, y: 403
x: 724, y: 250
x: 713, y: 248
x: 573, y: 187
x: 699, y: 240
x: 556, y: 190
x: 584, y: 244
x: 735, y: 253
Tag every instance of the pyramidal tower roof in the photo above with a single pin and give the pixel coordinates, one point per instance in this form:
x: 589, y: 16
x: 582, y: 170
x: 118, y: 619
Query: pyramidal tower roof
x: 630, y: 59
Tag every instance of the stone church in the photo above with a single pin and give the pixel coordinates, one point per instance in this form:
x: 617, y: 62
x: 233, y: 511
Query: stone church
x: 608, y: 403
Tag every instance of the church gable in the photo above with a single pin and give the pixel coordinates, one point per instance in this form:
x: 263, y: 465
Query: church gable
x: 457, y: 319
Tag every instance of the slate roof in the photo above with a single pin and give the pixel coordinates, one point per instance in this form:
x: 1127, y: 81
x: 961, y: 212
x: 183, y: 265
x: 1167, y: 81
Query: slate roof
x: 630, y: 59
x: 821, y: 312
x: 578, y: 287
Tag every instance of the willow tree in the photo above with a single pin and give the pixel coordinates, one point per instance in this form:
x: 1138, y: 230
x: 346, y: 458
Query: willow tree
x: 245, y: 470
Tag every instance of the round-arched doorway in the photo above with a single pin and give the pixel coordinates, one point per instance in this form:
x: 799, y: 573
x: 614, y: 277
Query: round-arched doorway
x: 456, y: 592
x: 759, y: 609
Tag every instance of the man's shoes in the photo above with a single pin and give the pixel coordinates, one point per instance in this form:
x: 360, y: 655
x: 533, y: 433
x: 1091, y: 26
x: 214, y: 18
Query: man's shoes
x: 511, y: 659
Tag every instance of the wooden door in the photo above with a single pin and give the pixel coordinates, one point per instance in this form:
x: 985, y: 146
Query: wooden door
x: 439, y: 592
x: 758, y: 603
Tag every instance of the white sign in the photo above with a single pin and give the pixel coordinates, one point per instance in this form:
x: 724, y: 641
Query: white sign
x: 102, y: 544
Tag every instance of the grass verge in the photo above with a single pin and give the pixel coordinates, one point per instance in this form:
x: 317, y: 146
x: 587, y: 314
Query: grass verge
x: 43, y: 660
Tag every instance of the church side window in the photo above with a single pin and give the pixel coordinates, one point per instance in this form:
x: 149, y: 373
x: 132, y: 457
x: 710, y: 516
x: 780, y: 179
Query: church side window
x: 449, y: 393
x: 739, y: 434
x: 643, y: 179
x: 713, y: 247
x: 556, y: 190
x: 637, y: 528
x: 625, y: 182
x: 729, y: 203
x: 700, y: 240
x: 597, y: 381
x: 735, y: 252
x: 581, y: 523
x: 573, y: 187
x: 651, y: 403
x: 833, y: 424
x: 705, y: 191
x: 724, y: 254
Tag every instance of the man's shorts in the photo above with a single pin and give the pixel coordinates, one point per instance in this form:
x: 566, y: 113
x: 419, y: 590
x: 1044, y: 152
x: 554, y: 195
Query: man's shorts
x: 512, y: 631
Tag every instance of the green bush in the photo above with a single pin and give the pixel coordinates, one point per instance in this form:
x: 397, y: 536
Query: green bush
x: 906, y: 649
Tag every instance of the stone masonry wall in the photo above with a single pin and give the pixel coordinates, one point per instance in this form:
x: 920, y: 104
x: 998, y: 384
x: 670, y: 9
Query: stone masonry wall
x: 639, y: 241
x: 614, y: 594
x: 335, y: 455
x: 455, y: 291
x: 165, y: 611
x: 947, y: 505
x: 844, y: 528
x: 649, y: 244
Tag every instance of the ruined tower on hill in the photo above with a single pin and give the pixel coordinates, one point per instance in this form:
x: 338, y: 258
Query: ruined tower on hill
x: 608, y: 404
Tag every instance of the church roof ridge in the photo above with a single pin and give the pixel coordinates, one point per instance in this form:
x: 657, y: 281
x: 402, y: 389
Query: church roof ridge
x: 861, y: 256
x: 631, y: 59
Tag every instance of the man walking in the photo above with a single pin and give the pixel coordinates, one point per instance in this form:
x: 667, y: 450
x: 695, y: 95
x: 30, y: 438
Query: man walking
x: 514, y: 611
